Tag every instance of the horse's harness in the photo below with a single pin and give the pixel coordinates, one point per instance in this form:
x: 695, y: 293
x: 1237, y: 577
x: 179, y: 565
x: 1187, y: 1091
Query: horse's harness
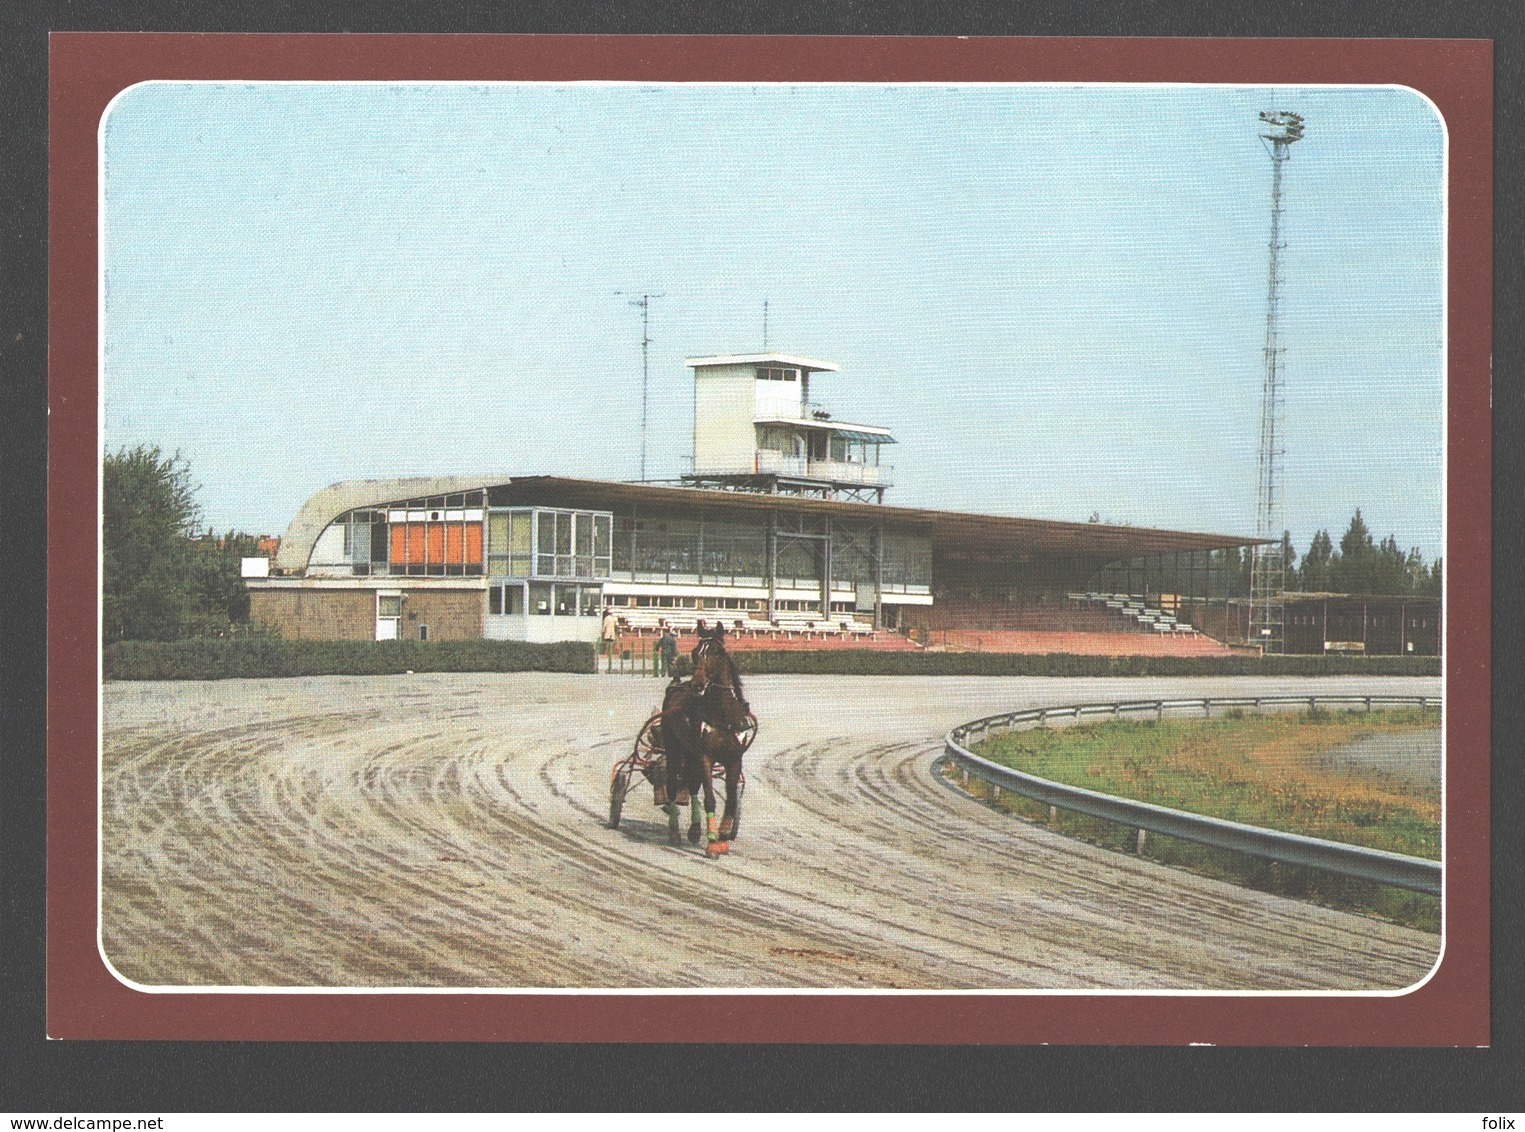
x: 704, y: 688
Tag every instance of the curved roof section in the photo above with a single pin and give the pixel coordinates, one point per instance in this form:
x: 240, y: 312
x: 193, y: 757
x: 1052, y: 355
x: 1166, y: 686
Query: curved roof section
x: 337, y: 498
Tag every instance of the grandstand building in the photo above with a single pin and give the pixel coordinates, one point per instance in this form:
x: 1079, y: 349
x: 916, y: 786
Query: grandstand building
x: 780, y: 531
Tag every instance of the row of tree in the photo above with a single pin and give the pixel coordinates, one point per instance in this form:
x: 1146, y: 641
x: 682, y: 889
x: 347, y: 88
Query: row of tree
x: 163, y: 577
x: 1358, y: 565
x: 1362, y: 566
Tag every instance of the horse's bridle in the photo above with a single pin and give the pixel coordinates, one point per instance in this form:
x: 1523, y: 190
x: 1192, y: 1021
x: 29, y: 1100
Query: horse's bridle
x: 706, y: 688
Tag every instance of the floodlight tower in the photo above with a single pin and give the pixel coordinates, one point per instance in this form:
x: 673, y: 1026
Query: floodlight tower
x: 1280, y: 128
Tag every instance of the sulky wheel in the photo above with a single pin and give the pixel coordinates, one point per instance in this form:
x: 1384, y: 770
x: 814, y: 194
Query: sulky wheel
x: 648, y: 744
x: 619, y: 786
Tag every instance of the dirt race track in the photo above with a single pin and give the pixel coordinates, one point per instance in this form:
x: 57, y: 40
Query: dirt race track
x: 445, y: 830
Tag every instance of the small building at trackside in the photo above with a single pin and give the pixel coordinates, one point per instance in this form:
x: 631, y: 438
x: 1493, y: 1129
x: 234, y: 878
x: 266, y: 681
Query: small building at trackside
x: 1364, y: 624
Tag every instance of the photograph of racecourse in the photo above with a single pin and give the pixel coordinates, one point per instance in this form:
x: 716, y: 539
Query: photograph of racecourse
x: 961, y: 537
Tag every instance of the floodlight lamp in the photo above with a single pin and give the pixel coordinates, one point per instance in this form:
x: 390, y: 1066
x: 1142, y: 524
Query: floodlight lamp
x: 1287, y: 125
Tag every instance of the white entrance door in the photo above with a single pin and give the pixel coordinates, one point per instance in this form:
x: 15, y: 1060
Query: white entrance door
x: 388, y: 617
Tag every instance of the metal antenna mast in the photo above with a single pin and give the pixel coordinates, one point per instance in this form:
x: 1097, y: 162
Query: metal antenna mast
x: 765, y: 326
x: 1268, y: 562
x: 644, y: 302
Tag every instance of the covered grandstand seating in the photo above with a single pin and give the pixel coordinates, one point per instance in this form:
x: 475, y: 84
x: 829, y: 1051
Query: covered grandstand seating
x: 1078, y: 624
x: 1076, y: 613
x: 1084, y: 624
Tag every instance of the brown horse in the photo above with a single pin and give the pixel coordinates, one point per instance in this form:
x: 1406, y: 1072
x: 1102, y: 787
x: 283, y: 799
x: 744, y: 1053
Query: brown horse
x: 703, y: 720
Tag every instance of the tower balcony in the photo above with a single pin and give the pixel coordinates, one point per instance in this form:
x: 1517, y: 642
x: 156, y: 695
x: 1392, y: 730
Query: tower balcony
x: 770, y: 463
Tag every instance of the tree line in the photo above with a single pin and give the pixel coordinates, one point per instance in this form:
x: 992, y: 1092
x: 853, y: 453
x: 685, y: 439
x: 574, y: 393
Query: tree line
x: 163, y: 577
x: 1362, y: 566
x: 1359, y: 564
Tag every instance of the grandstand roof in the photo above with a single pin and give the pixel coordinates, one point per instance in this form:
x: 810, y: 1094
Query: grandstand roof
x: 334, y: 500
x: 951, y: 530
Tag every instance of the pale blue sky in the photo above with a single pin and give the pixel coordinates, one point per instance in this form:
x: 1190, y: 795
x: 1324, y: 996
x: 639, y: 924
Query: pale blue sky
x: 1054, y: 295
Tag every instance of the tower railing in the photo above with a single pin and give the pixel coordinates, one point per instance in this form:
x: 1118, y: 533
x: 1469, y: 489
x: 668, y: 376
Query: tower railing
x: 769, y: 462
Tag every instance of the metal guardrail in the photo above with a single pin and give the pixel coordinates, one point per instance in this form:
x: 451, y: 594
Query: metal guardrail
x: 1414, y: 873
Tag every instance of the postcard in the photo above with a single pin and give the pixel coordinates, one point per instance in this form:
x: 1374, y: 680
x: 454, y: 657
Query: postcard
x: 963, y: 541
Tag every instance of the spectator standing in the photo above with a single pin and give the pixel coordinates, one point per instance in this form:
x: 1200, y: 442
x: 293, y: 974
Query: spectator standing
x: 611, y: 637
x: 667, y: 650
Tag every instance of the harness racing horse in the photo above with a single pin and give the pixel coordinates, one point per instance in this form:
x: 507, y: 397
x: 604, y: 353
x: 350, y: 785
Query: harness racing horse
x: 703, y: 720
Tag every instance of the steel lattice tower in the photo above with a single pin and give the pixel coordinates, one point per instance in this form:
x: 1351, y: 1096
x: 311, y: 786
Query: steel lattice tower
x: 1268, y: 563
x: 644, y: 302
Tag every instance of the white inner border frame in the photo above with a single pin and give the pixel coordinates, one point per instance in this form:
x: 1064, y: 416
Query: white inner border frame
x: 749, y: 991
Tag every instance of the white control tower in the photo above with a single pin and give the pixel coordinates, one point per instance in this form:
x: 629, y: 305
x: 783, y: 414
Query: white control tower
x: 757, y: 428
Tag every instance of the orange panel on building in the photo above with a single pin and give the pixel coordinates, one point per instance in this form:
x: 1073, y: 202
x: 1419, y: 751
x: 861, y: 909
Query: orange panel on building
x: 417, y: 544
x: 408, y: 543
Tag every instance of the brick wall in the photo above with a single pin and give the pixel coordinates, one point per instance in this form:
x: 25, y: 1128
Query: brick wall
x: 350, y: 615
x: 318, y: 615
x: 452, y: 615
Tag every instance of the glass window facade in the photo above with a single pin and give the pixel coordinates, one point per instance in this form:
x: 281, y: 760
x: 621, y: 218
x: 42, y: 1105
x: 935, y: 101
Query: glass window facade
x: 672, y: 548
x: 509, y: 543
x: 669, y: 548
x: 907, y: 562
x: 546, y: 543
x: 439, y: 535
x: 455, y: 535
x: 543, y: 543
x: 461, y: 534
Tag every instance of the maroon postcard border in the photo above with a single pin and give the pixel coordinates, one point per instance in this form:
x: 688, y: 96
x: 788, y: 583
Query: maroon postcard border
x: 85, y: 1001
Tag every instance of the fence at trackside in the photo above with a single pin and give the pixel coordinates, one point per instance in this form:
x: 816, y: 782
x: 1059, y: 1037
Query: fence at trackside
x: 1414, y: 873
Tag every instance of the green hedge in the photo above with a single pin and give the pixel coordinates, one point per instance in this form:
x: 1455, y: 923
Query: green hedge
x: 865, y: 662
x: 213, y: 659
x: 210, y: 659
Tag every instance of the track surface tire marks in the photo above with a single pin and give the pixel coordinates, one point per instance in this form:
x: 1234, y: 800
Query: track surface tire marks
x: 450, y: 831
